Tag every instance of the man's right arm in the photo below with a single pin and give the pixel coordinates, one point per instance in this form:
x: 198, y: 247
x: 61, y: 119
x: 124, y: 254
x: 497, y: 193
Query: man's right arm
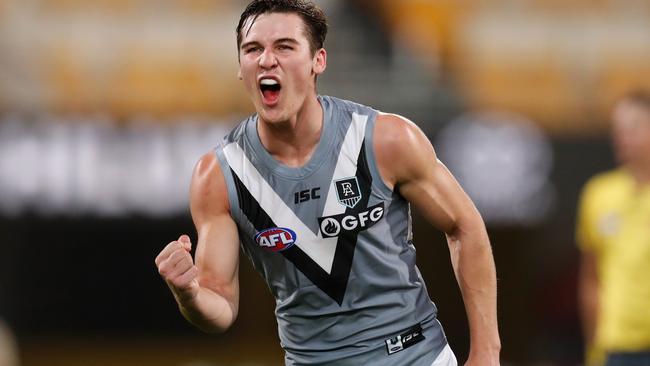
x: 588, y: 241
x: 588, y: 290
x: 207, y: 288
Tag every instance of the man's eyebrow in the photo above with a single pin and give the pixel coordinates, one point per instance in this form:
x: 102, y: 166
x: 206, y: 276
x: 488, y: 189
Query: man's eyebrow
x: 287, y: 40
x: 250, y: 43
x: 281, y: 40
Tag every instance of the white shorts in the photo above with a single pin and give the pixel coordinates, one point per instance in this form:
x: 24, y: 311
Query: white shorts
x: 445, y: 358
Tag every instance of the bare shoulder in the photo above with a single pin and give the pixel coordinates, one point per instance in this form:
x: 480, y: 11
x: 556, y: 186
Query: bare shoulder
x: 400, y: 146
x: 393, y: 127
x: 208, y: 191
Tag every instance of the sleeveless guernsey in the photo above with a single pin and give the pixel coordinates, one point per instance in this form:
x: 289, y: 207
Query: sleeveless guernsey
x: 333, y: 243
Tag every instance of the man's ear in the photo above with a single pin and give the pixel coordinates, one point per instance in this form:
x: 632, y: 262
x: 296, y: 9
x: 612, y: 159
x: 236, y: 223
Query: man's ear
x: 320, y: 62
x: 239, y: 75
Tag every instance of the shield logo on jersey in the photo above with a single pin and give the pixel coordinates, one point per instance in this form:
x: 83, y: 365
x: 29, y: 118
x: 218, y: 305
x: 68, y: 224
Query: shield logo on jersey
x: 348, y: 192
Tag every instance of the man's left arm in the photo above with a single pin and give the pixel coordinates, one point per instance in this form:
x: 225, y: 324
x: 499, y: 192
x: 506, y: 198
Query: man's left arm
x: 408, y: 163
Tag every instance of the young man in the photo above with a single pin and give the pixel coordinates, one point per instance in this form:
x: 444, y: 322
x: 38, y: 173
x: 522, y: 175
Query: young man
x: 317, y: 190
x: 614, y: 237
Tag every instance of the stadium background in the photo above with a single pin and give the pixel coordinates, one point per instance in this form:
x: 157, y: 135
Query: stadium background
x: 105, y: 105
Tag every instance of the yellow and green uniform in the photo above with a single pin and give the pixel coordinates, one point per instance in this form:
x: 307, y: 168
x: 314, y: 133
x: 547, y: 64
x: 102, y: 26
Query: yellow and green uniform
x: 614, y: 224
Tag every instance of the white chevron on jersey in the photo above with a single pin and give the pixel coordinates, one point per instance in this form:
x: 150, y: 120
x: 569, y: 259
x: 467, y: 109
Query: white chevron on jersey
x: 346, y: 165
x: 320, y: 250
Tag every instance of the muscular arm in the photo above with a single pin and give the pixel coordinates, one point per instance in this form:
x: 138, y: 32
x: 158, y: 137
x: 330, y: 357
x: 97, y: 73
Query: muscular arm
x: 207, y: 289
x: 408, y: 163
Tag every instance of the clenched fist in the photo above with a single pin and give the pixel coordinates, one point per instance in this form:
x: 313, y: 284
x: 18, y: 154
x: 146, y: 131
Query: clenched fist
x: 176, y: 266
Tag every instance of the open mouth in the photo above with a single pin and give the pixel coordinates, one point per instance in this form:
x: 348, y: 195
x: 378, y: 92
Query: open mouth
x: 270, y: 89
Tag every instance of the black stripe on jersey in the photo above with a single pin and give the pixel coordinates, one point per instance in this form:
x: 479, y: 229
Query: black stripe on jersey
x: 334, y: 284
x: 251, y: 208
x: 347, y: 242
x: 261, y: 220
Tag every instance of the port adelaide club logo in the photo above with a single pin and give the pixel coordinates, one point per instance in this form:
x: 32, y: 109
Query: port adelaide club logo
x: 348, y: 192
x: 352, y: 221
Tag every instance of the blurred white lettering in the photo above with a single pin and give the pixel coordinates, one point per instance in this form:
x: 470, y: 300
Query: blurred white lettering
x: 93, y: 166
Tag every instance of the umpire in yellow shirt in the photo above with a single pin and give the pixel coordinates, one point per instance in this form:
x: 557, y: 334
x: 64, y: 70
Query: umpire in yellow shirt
x: 614, y: 237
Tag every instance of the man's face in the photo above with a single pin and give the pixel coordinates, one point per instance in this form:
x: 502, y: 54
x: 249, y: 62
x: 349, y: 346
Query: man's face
x: 277, y: 65
x: 631, y: 132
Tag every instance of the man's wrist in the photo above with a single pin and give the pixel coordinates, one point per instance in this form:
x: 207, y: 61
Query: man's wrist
x: 486, y: 351
x: 186, y: 297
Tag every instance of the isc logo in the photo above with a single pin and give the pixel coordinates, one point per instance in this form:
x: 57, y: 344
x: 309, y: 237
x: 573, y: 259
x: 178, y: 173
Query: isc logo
x: 276, y: 239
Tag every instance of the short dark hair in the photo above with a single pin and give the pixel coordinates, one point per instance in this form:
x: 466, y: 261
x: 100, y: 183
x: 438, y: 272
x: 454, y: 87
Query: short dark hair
x: 640, y: 97
x: 313, y: 17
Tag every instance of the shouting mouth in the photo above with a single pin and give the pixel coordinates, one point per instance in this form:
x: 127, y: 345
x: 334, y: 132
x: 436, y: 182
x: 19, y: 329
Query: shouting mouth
x: 270, y: 88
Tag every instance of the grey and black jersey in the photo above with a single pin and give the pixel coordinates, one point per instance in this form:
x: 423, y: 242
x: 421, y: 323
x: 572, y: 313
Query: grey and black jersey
x: 333, y: 243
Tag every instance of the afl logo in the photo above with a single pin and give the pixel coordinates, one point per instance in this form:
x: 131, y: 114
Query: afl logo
x: 276, y: 239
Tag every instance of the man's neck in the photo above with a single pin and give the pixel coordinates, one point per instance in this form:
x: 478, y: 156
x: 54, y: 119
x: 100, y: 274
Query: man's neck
x: 294, y: 141
x: 641, y: 174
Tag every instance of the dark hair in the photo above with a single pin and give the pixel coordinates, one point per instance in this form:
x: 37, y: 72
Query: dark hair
x: 640, y: 97
x: 313, y: 17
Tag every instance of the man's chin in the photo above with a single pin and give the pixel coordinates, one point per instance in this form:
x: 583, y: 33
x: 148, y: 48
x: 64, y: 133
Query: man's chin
x: 271, y: 116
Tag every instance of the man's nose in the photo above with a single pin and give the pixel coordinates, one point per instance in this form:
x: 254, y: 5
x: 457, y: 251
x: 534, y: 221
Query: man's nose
x: 268, y: 59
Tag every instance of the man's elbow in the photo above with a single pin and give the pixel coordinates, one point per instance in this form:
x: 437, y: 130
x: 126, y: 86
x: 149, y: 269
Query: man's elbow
x: 216, y: 326
x: 213, y: 328
x: 468, y: 229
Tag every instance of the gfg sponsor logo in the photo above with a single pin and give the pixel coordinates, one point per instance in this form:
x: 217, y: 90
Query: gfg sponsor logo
x: 331, y: 226
x: 276, y: 239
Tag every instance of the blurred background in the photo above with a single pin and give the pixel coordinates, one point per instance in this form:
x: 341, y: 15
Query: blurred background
x: 105, y: 105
